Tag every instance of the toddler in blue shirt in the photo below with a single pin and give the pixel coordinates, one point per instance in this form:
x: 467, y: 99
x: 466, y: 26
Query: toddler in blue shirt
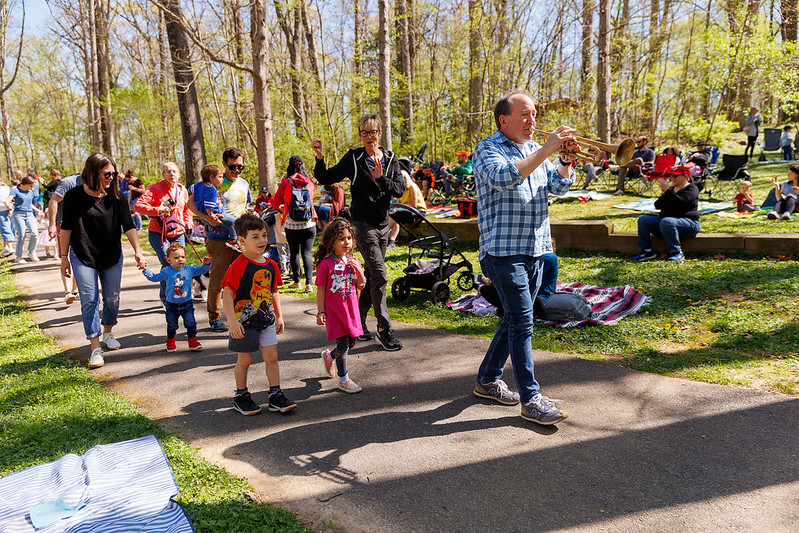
x: 206, y: 197
x: 177, y: 275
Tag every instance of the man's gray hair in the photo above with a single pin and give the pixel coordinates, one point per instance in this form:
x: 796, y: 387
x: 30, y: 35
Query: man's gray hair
x: 504, y: 106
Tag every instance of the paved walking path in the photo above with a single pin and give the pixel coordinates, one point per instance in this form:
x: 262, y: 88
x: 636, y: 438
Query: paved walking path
x: 416, y: 451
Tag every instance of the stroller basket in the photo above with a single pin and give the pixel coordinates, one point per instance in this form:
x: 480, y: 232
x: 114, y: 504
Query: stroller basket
x: 432, y: 258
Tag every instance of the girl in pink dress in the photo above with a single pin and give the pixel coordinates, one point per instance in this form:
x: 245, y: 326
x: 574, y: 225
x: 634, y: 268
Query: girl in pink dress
x: 338, y: 278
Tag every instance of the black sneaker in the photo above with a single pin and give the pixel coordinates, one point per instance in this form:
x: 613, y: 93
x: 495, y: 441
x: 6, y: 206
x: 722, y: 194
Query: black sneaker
x: 243, y: 404
x: 388, y: 341
x: 366, y: 335
x: 279, y: 402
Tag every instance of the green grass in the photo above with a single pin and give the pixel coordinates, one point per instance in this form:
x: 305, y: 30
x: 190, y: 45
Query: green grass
x: 49, y: 406
x: 719, y: 319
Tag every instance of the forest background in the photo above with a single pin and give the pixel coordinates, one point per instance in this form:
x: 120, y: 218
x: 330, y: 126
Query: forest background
x: 150, y: 81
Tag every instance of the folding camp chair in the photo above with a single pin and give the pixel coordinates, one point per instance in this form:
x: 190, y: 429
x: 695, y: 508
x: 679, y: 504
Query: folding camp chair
x: 661, y: 170
x: 771, y: 142
x: 726, y: 181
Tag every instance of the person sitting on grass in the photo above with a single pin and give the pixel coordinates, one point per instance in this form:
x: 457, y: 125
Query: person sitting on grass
x: 678, y: 219
x: 252, y: 308
x: 745, y: 200
x: 178, y: 275
x: 786, y: 194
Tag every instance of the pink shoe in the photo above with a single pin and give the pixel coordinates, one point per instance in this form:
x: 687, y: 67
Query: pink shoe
x: 349, y: 386
x: 329, y: 363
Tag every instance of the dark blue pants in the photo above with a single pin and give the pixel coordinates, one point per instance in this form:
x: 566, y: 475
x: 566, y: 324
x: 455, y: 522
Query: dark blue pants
x: 175, y: 311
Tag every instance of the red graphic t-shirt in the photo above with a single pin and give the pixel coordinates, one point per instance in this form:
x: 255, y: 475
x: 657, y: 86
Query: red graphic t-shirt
x: 253, y: 285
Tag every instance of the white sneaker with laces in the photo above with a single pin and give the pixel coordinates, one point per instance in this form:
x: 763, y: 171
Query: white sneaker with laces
x: 96, y: 359
x: 20, y: 261
x: 110, y: 341
x: 33, y: 257
x: 69, y: 298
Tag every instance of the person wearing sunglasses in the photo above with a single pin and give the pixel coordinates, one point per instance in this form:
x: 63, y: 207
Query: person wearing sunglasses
x: 234, y: 195
x: 165, y: 202
x: 642, y: 155
x: 375, y: 179
x: 94, y: 216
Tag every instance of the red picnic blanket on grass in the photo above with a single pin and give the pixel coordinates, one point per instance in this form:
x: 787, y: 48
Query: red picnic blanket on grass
x: 608, y: 304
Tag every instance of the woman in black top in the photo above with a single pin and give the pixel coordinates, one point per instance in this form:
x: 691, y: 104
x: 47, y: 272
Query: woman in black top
x: 678, y: 219
x: 95, y: 215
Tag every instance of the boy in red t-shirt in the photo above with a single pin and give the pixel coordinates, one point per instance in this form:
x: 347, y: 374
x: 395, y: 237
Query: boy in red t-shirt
x: 252, y: 308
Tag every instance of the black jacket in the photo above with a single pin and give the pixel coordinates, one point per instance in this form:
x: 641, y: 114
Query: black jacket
x: 680, y: 204
x: 370, y: 197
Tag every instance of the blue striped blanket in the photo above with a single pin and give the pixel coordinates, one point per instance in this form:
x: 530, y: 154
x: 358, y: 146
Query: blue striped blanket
x: 125, y: 486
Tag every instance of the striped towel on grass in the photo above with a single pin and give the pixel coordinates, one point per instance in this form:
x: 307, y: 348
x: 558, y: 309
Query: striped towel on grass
x: 608, y: 304
x: 125, y: 486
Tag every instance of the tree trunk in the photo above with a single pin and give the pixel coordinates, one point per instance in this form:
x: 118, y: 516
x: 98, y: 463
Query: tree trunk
x: 107, y: 126
x: 474, y: 128
x: 188, y: 105
x: 790, y: 13
x: 237, y: 85
x: 587, y: 58
x: 290, y: 29
x: 384, y: 69
x: 603, y: 73
x: 403, y: 17
x: 357, y: 56
x: 94, y: 94
x: 5, y: 17
x: 649, y: 118
x: 267, y: 177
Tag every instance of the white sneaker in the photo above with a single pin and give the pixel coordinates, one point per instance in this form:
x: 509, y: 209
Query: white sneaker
x: 69, y: 298
x: 33, y: 257
x: 96, y: 360
x: 110, y: 342
x: 20, y: 261
x: 786, y: 216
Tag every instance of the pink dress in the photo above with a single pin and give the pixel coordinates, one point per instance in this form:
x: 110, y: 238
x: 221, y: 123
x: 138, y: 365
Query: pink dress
x: 341, y: 298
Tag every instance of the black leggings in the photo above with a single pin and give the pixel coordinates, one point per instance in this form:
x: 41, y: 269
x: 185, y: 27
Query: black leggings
x: 750, y: 143
x: 786, y: 205
x: 301, y: 242
x: 339, y: 353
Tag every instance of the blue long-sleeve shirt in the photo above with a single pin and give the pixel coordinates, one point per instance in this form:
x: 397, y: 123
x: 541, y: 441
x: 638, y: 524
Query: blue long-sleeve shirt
x: 178, y: 282
x: 513, y: 213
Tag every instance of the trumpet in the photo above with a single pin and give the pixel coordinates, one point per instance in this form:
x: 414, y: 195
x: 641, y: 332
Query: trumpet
x: 622, y: 153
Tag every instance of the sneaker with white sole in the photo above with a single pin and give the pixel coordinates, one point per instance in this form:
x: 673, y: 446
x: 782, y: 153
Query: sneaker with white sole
x: 387, y: 340
x: 244, y: 404
x: 279, y: 402
x: 330, y: 367
x: 69, y: 298
x: 542, y: 410
x: 110, y: 341
x: 646, y: 255
x: 20, y: 261
x: 349, y: 386
x: 498, y: 391
x: 772, y: 215
x: 786, y: 216
x: 33, y: 257
x: 96, y: 360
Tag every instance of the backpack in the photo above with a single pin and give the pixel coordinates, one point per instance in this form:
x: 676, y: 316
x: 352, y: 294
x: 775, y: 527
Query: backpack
x: 300, y: 204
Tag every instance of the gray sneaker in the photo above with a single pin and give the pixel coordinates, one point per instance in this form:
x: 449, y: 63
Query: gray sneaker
x: 542, y: 410
x: 497, y: 391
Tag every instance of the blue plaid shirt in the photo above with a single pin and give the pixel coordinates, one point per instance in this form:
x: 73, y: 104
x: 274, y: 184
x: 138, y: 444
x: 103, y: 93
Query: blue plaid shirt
x: 513, y: 214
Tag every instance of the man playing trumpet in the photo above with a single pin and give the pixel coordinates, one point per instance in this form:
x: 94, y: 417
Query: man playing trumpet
x: 514, y: 176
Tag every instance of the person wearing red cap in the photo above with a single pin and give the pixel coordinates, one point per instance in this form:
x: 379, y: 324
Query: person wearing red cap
x: 457, y: 172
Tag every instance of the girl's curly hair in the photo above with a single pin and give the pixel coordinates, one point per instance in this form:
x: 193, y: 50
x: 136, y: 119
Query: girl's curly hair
x: 330, y: 234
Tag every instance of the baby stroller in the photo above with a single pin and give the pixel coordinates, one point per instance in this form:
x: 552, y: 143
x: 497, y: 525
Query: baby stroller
x: 443, y: 258
x: 276, y: 249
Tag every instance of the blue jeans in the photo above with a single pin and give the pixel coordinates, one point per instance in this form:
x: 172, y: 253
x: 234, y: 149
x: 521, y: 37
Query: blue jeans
x: 174, y: 312
x: 516, y: 278
x: 135, y: 216
x: 25, y: 220
x: 787, y: 152
x: 110, y: 281
x: 160, y: 251
x: 672, y: 229
x: 549, y: 275
x: 323, y: 212
x: 7, y: 230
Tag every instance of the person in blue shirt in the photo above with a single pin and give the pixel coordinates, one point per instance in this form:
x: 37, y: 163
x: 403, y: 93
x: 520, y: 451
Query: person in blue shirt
x: 22, y: 199
x: 206, y: 197
x: 514, y: 177
x: 177, y: 275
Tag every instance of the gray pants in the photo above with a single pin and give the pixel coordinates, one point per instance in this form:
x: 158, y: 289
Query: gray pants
x: 372, y: 243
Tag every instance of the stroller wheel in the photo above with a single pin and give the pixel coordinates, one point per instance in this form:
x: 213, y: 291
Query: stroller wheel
x: 440, y: 292
x: 466, y: 281
x: 400, y: 289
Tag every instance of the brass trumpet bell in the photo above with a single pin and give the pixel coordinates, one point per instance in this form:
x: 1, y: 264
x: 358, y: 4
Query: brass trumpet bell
x: 622, y: 153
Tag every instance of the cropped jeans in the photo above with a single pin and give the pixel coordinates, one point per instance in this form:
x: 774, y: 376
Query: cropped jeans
x: 516, y: 279
x: 672, y: 229
x: 25, y: 220
x: 110, y: 281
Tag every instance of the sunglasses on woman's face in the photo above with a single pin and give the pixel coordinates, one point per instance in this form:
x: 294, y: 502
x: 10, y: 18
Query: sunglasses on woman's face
x: 109, y: 175
x: 236, y: 167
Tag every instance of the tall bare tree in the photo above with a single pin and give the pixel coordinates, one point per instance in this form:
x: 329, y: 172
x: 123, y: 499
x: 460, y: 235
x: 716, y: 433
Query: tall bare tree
x: 474, y: 126
x: 603, y: 73
x: 384, y: 70
x: 403, y: 16
x: 289, y: 18
x: 188, y: 105
x: 267, y: 177
x: 102, y: 13
x: 587, y: 57
x: 5, y: 19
